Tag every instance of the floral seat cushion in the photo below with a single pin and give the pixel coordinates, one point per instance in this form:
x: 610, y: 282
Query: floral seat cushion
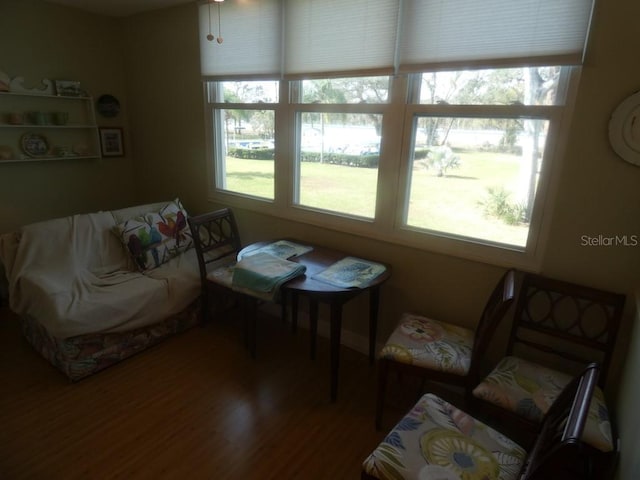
x: 529, y: 389
x: 437, y: 440
x: 222, y: 275
x: 431, y: 344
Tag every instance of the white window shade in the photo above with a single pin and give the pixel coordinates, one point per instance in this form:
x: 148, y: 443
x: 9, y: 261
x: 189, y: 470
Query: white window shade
x: 355, y: 36
x: 313, y: 38
x: 468, y: 32
x: 252, y: 33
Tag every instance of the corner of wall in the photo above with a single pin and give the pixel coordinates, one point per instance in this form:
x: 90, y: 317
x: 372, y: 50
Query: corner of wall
x: 628, y: 399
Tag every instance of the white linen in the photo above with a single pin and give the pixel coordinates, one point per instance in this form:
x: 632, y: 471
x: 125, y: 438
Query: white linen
x: 73, y: 276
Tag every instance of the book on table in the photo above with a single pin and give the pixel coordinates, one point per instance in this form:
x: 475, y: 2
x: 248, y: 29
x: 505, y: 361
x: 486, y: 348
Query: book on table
x: 351, y: 272
x: 281, y: 249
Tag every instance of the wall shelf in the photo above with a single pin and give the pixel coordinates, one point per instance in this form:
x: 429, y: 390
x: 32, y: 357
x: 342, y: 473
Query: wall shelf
x: 49, y: 159
x: 63, y: 123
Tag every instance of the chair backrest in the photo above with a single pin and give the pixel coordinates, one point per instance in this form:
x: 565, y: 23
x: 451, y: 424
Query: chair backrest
x: 557, y: 448
x: 215, y: 238
x: 494, y: 311
x: 564, y: 322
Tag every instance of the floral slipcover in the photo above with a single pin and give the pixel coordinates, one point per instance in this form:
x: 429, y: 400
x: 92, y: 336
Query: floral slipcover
x: 529, y: 389
x: 435, y: 440
x: 84, y: 355
x: 430, y: 344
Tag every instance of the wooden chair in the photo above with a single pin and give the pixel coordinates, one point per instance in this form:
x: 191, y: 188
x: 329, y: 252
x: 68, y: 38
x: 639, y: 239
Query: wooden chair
x: 558, y: 327
x: 440, y: 351
x: 217, y: 242
x: 435, y: 440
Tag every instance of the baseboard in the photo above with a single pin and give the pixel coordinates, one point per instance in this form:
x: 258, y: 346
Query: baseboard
x: 349, y: 339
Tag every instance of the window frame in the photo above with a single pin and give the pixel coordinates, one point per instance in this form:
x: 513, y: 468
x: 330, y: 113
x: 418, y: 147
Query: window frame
x: 299, y: 109
x: 388, y: 225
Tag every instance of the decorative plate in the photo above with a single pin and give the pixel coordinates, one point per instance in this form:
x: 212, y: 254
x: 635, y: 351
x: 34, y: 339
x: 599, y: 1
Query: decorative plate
x: 34, y: 144
x: 108, y: 106
x: 624, y: 129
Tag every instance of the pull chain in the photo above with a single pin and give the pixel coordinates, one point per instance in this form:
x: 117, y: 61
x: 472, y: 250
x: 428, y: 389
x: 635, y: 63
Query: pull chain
x: 210, y: 37
x: 219, y: 39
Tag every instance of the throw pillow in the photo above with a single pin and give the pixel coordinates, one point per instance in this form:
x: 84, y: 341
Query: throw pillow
x: 156, y: 237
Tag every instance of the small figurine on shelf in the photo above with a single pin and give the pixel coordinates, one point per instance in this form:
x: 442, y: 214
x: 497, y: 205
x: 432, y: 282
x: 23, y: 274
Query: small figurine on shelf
x: 6, y: 152
x: 60, y: 118
x: 80, y: 149
x: 4, y: 82
x: 61, y: 151
x: 15, y: 118
x: 17, y: 86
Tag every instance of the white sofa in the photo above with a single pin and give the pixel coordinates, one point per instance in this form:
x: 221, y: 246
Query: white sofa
x: 86, y: 300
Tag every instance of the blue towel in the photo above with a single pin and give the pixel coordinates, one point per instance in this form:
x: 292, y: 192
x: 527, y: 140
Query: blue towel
x: 262, y: 274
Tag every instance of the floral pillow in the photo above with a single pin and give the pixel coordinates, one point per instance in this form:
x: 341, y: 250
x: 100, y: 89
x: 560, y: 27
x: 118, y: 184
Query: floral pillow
x: 156, y: 237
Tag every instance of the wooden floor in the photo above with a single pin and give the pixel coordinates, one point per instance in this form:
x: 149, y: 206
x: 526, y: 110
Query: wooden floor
x: 194, y: 407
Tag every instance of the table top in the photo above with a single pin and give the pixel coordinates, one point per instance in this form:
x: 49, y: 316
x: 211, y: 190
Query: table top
x: 317, y: 260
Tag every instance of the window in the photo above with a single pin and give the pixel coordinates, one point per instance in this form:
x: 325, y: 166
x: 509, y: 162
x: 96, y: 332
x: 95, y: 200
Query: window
x: 478, y: 151
x: 244, y: 131
x: 339, y: 127
x: 398, y: 144
x: 475, y: 177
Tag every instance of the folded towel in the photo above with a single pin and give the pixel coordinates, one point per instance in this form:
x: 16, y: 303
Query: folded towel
x: 282, y: 248
x: 262, y: 274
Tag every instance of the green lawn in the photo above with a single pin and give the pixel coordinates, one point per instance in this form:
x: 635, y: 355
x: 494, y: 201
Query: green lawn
x: 453, y: 203
x: 253, y: 177
x: 339, y: 188
x: 446, y: 204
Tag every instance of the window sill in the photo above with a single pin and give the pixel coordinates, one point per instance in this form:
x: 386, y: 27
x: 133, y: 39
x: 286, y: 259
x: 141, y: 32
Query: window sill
x: 467, y: 249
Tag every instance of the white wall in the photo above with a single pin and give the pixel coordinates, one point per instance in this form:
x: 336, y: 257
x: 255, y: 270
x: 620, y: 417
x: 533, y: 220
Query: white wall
x: 41, y: 40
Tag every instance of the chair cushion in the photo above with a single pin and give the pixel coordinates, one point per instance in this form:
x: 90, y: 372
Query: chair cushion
x: 529, y: 389
x: 437, y: 440
x: 222, y: 275
x: 430, y: 344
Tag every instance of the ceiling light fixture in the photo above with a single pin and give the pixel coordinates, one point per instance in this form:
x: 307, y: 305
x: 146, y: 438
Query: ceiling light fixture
x: 210, y: 36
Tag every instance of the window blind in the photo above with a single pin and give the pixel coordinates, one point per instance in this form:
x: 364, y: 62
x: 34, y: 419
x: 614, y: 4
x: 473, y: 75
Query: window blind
x: 252, y: 33
x: 467, y: 32
x: 352, y: 36
x: 306, y: 38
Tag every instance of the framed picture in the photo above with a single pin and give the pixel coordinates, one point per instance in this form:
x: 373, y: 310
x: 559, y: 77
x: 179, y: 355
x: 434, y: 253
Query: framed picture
x: 68, y: 88
x: 111, y: 142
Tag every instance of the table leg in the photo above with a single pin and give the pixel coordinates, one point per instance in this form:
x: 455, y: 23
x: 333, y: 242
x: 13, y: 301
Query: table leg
x: 313, y: 327
x: 250, y: 313
x: 374, y: 302
x: 336, y: 329
x: 294, y: 312
x: 283, y: 305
